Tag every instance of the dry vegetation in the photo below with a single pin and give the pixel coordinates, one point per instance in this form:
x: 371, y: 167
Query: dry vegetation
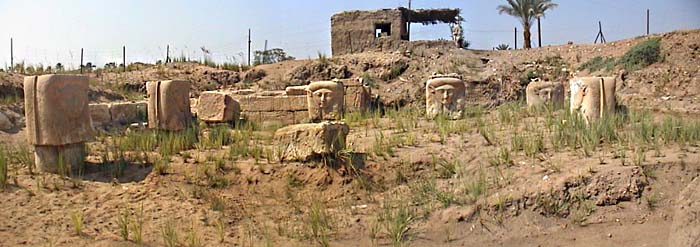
x: 503, y: 175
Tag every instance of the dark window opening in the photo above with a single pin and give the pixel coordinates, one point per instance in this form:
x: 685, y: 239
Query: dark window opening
x: 382, y: 30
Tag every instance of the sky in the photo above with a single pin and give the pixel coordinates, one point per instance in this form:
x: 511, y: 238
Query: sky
x: 51, y: 31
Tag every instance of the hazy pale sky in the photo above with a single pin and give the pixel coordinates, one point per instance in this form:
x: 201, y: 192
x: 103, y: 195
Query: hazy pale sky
x: 51, y: 31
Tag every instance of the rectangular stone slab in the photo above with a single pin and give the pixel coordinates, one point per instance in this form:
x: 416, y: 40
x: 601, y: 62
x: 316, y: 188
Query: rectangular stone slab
x: 305, y: 142
x: 124, y: 113
x: 169, y: 105
x: 99, y: 114
x: 295, y: 90
x: 56, y: 109
x: 273, y: 103
x: 217, y: 107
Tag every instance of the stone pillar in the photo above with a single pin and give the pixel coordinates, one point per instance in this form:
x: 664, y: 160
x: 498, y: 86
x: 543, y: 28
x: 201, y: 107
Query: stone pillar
x: 445, y: 94
x: 169, y: 105
x: 58, y: 121
x: 539, y: 93
x: 593, y: 97
x: 325, y: 100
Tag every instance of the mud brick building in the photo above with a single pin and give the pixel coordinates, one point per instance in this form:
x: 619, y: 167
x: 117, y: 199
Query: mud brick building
x: 385, y: 29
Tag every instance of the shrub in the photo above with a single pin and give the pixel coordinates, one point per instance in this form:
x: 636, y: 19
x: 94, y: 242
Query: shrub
x: 641, y: 55
x: 598, y: 63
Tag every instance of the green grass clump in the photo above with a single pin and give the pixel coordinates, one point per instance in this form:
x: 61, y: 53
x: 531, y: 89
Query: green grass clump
x: 599, y: 63
x: 641, y: 55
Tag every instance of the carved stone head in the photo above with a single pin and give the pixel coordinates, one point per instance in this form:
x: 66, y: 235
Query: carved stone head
x: 326, y: 100
x: 544, y: 92
x: 445, y: 94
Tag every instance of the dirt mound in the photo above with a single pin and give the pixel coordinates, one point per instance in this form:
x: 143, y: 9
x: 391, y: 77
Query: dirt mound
x: 685, y: 231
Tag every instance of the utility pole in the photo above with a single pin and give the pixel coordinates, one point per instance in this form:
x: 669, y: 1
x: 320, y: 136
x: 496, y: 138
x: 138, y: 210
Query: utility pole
x: 515, y: 37
x: 124, y: 57
x: 81, y: 60
x: 264, y: 55
x: 167, y: 54
x: 539, y: 33
x: 12, y: 56
x: 408, y: 21
x: 249, y: 47
x: 600, y: 34
x: 647, y: 21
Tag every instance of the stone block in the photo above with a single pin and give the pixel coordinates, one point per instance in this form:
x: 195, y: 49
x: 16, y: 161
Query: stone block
x: 56, y: 109
x: 65, y: 160
x: 539, y: 93
x: 445, y: 94
x: 291, y: 103
x: 295, y: 90
x: 126, y: 113
x: 169, y: 105
x: 305, y: 142
x: 99, y: 114
x: 326, y: 100
x: 256, y: 103
x: 217, y: 107
x: 593, y: 97
x: 5, y: 123
x: 357, y: 97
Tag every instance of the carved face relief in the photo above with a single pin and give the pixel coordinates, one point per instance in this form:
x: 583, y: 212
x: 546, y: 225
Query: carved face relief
x: 326, y: 100
x: 445, y: 96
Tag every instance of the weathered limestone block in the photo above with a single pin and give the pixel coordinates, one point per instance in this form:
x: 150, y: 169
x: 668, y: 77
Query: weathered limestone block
x: 295, y: 90
x: 325, y: 100
x: 445, y: 94
x: 5, y: 123
x: 304, y: 142
x: 56, y: 109
x: 169, y: 105
x: 99, y: 114
x: 65, y: 160
x: 128, y: 112
x: 358, y: 97
x: 685, y: 230
x: 58, y: 121
x: 593, y: 97
x: 539, y: 93
x: 217, y: 107
x: 273, y: 103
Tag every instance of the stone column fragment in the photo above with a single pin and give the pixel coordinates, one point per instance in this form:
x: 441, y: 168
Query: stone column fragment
x: 593, y: 97
x: 58, y: 120
x: 445, y: 94
x: 169, y: 105
x: 325, y: 100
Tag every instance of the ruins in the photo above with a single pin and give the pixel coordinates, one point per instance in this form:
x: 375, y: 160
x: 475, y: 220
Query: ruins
x: 593, y: 97
x: 384, y: 29
x: 326, y: 100
x: 58, y: 121
x: 539, y: 93
x: 217, y: 107
x: 169, y: 105
x: 118, y: 113
x: 445, y: 94
x: 304, y: 142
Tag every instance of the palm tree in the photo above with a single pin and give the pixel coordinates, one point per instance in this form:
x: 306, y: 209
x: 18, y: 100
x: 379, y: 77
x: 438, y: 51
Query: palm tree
x: 527, y: 11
